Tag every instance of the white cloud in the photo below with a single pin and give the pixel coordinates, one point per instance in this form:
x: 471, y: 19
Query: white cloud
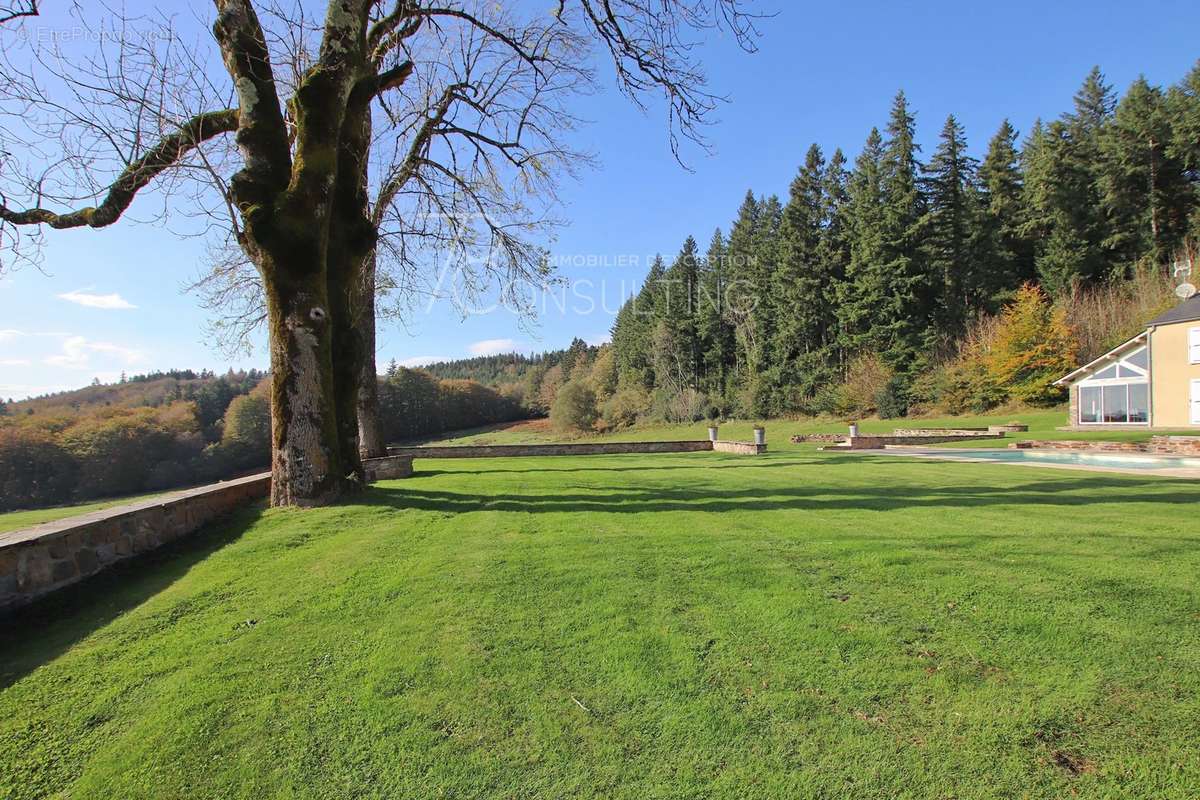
x: 596, y: 341
x: 492, y: 347
x: 422, y: 361
x: 14, y: 362
x: 110, y: 302
x: 77, y: 353
x: 19, y: 391
x: 9, y: 334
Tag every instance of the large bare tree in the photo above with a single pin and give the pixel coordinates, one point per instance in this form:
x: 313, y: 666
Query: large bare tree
x: 324, y: 143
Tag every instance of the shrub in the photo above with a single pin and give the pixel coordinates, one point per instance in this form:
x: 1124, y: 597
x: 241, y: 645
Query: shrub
x: 866, y: 379
x: 625, y: 407
x: 1033, y: 347
x: 34, y: 470
x: 682, y: 405
x: 574, y: 407
x: 604, y: 374
x: 892, y: 400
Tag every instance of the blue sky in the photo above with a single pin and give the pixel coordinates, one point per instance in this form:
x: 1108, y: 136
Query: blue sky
x: 112, y: 300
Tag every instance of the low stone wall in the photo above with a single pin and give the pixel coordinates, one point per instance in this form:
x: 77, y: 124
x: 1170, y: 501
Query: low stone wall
x: 387, y: 468
x: 1182, y: 445
x: 739, y: 448
x: 1158, y: 445
x: 583, y: 449
x: 827, y: 438
x: 38, y: 560
x: 878, y: 442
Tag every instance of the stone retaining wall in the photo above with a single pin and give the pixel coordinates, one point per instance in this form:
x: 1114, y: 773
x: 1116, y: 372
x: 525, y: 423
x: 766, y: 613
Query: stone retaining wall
x: 46, y: 557
x: 828, y: 438
x: 740, y: 448
x: 583, y: 449
x: 878, y: 442
x: 939, y: 431
x: 1158, y: 445
x: 387, y: 468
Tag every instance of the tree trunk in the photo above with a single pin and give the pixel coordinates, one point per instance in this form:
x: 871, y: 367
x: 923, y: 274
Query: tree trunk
x: 306, y: 464
x: 370, y: 437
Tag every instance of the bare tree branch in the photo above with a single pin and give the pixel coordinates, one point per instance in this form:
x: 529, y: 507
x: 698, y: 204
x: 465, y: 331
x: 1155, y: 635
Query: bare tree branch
x: 137, y: 175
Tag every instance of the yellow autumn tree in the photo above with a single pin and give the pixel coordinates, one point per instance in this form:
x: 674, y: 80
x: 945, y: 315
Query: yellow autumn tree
x: 1033, y: 347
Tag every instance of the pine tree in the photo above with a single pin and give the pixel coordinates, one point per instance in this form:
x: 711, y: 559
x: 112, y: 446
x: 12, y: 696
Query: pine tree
x: 1059, y: 201
x: 1183, y: 106
x: 716, y: 336
x: 951, y: 230
x: 677, y: 309
x: 863, y: 292
x: 798, y: 285
x: 1143, y: 188
x: 765, y: 310
x: 910, y: 293
x: 834, y: 254
x: 740, y: 295
x: 1005, y: 254
x: 631, y: 331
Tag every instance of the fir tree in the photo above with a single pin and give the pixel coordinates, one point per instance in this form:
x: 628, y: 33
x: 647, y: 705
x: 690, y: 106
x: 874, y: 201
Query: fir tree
x: 677, y: 309
x: 740, y: 295
x: 1143, y: 188
x: 904, y: 320
x: 1005, y: 254
x: 1060, y: 203
x: 834, y: 254
x: 631, y: 331
x: 863, y: 292
x: 716, y: 336
x: 951, y: 231
x: 799, y: 283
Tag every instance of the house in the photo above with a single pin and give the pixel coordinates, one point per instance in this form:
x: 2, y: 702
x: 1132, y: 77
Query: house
x: 1151, y: 381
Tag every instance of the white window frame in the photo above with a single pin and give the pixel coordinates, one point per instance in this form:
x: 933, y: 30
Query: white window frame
x: 1194, y: 402
x: 1111, y: 382
x: 1194, y: 345
x: 1141, y: 375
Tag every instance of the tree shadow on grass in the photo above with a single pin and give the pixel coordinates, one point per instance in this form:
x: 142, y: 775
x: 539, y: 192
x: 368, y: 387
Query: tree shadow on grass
x: 38, y: 633
x: 810, y: 496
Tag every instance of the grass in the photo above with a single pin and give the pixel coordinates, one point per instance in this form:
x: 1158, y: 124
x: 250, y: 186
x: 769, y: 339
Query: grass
x: 1043, y: 424
x: 800, y: 624
x: 15, y: 520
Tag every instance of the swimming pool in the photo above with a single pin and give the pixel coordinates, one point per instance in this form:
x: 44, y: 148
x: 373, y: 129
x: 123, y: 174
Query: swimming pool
x: 1069, y: 458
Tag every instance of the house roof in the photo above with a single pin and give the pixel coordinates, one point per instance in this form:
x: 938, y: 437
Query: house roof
x: 1186, y: 311
x: 1109, y: 356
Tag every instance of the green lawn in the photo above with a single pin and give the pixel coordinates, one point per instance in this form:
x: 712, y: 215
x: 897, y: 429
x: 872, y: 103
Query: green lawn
x: 799, y: 624
x: 15, y: 520
x: 1043, y: 424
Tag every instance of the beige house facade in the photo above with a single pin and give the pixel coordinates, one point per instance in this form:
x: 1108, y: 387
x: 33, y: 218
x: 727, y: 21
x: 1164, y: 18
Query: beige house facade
x: 1151, y: 381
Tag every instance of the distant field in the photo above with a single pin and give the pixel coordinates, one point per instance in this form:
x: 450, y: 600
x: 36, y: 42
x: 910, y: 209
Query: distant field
x: 15, y: 520
x: 1042, y: 425
x: 802, y: 624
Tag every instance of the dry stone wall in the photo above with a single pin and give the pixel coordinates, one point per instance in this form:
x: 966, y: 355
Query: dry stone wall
x: 38, y: 560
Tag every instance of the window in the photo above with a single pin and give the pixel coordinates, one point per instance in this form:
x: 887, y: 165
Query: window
x: 1089, y: 403
x: 1139, y: 402
x: 1195, y: 418
x: 1194, y: 346
x: 1115, y: 403
x: 1117, y: 393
